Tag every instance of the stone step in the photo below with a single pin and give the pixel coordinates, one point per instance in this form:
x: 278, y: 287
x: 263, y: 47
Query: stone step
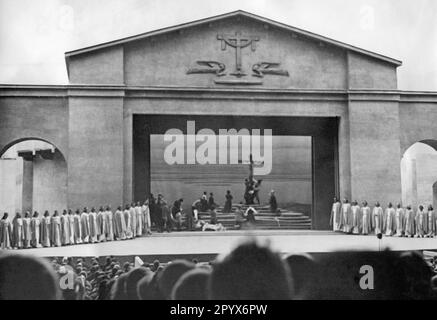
x: 264, y: 219
x: 257, y: 207
x: 303, y: 227
x: 285, y: 215
x: 281, y: 211
x: 266, y: 222
x: 306, y: 226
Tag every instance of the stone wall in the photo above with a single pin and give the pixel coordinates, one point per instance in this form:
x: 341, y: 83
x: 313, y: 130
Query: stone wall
x: 375, y: 151
x: 95, y: 165
x: 49, y: 184
x: 10, y: 199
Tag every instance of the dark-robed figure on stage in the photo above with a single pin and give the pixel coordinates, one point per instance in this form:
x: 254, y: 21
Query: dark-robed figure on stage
x: 211, y: 202
x: 272, y: 202
x: 152, y: 209
x: 176, y: 212
x: 163, y: 215
x: 228, y: 203
x: 204, y: 202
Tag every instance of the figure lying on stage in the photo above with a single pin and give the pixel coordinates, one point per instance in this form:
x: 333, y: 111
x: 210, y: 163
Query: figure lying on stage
x: 212, y: 225
x: 205, y: 226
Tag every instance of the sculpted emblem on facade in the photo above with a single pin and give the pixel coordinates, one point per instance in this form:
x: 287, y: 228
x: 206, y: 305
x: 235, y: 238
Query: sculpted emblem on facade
x: 209, y: 67
x: 238, y: 42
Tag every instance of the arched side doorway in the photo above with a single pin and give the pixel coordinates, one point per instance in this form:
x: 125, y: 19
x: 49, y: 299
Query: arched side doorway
x: 419, y: 173
x: 33, y: 175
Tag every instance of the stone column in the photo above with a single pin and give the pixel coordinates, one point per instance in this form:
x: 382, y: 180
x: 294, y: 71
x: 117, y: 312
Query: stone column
x: 434, y: 192
x: 141, y: 162
x: 95, y: 162
x: 128, y: 155
x: 27, y: 191
x: 324, y: 180
x: 375, y: 149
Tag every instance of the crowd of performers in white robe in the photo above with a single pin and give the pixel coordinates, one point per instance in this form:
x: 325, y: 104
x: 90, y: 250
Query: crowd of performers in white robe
x: 81, y: 226
x: 352, y: 218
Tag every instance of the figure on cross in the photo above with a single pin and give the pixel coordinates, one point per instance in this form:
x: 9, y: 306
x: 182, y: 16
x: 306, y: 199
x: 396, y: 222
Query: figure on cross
x: 251, y: 192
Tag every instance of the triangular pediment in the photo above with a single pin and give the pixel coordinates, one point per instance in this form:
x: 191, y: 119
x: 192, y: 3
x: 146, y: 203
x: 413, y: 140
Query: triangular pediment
x: 234, y: 14
x: 233, y: 49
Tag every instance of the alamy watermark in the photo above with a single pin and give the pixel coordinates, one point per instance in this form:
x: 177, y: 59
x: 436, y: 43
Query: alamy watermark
x: 224, y: 148
x: 66, y: 279
x: 367, y: 279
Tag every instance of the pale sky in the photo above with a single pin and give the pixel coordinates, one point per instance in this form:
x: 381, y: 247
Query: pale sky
x: 417, y: 149
x: 34, y: 34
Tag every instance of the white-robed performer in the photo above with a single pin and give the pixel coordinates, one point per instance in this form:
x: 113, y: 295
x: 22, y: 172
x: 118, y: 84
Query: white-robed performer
x: 421, y: 222
x: 77, y: 228
x: 409, y: 222
x: 85, y: 225
x: 346, y: 212
x: 65, y: 228
x: 101, y: 225
x: 389, y: 220
x: 146, y: 217
x: 119, y: 224
x: 110, y: 228
x: 17, y: 231
x: 27, y: 234
x: 5, y: 232
x: 55, y: 229
x: 93, y: 226
x: 35, y: 224
x: 399, y: 220
x: 366, y: 225
x: 127, y: 222
x: 336, y: 216
x: 139, y: 216
x: 356, y: 219
x: 71, y: 226
x: 377, y: 218
x: 45, y: 230
x: 432, y: 221
x: 133, y: 220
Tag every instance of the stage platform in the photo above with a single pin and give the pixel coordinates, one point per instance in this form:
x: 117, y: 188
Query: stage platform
x: 209, y: 244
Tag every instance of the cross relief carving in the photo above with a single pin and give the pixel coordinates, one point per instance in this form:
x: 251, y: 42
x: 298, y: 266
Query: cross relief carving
x: 237, y: 42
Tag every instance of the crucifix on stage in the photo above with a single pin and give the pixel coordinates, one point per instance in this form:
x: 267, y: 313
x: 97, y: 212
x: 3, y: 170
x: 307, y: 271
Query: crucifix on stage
x: 252, y: 185
x: 238, y: 42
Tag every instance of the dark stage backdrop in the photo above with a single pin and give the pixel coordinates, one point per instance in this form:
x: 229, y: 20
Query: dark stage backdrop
x: 322, y: 133
x: 290, y: 175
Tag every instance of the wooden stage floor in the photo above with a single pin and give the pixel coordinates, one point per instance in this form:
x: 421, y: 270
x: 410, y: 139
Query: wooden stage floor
x: 212, y: 243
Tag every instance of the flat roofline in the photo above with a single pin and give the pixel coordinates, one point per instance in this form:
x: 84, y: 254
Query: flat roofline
x: 9, y: 86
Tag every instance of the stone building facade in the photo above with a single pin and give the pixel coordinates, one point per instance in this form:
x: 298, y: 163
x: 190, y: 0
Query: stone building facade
x: 233, y: 66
